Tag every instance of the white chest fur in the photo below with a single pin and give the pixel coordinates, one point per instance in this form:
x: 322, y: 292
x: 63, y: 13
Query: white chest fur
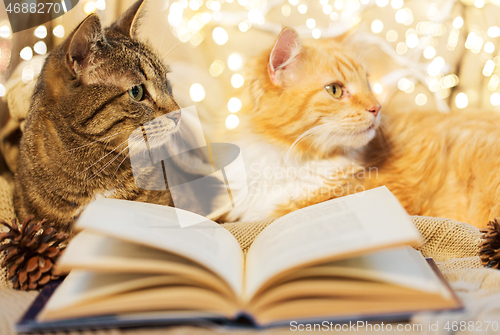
x: 274, y: 179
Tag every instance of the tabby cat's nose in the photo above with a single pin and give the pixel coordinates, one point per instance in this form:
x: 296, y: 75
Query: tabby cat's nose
x: 374, y: 110
x: 176, y: 117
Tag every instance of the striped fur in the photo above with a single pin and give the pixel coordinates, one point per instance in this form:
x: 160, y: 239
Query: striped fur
x: 75, y: 142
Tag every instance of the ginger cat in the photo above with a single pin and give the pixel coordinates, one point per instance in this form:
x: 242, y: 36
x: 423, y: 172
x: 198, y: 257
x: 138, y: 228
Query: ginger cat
x: 311, y: 130
x: 309, y: 115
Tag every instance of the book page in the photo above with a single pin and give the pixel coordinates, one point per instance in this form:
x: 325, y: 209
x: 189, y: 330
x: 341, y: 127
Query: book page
x: 400, y: 266
x: 157, y: 226
x: 331, y: 230
x: 90, y: 251
x: 84, y: 294
x: 399, y: 269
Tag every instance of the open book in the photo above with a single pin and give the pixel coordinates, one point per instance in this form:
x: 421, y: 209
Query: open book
x: 341, y: 259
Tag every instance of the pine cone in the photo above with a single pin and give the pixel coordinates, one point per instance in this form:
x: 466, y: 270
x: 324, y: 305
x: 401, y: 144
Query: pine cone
x: 32, y: 250
x: 489, y: 248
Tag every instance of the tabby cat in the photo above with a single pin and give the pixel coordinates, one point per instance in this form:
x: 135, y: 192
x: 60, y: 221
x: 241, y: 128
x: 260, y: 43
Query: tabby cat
x: 311, y: 131
x: 93, y: 91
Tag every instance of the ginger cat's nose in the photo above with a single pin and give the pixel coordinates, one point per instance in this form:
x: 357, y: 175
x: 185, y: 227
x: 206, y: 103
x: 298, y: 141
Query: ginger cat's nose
x: 374, y: 110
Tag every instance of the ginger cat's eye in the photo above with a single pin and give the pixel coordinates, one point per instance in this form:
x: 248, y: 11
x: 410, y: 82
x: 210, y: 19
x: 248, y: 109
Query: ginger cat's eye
x: 335, y: 90
x: 136, y: 92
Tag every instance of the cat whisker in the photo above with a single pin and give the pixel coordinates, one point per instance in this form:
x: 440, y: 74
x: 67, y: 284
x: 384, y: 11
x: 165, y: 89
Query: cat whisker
x: 104, y: 156
x: 107, y: 164
x: 100, y: 139
x: 124, y: 158
x: 119, y: 165
x: 163, y: 37
x: 302, y: 137
x: 171, y: 50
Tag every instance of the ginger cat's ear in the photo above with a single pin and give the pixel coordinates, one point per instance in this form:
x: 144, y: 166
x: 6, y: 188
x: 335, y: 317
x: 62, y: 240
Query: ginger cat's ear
x: 285, y: 51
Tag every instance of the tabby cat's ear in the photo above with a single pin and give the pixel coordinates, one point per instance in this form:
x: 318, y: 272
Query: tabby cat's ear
x: 127, y: 24
x: 82, y: 41
x: 285, y: 51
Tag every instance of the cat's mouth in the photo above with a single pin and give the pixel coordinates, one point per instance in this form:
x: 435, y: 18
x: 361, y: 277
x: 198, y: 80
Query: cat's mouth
x: 371, y: 127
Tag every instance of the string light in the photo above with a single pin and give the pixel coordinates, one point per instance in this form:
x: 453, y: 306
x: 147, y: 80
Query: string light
x: 89, y: 7
x: 100, y: 4
x: 479, y: 3
x: 215, y: 5
x: 58, y: 31
x: 327, y: 9
x: 302, y: 9
x: 2, y: 90
x: 40, y: 48
x: 220, y: 35
x: 412, y: 40
x: 197, y: 92
x: 406, y: 85
x: 189, y: 19
x: 461, y: 100
x: 404, y: 16
x: 377, y: 26
x: 352, y: 5
x: 488, y: 68
x: 311, y: 23
x: 401, y: 48
x: 429, y: 52
x: 449, y: 81
x: 458, y: 22
x: 237, y: 80
x: 377, y: 88
x: 397, y: 4
x: 216, y: 68
x: 5, y: 32
x: 435, y: 66
x: 493, y: 83
x: 382, y: 3
x: 489, y: 47
x: 316, y: 33
x: 255, y: 16
x: 391, y: 36
x: 26, y: 53
x: 232, y: 121
x: 493, y: 31
x: 235, y: 61
x: 40, y: 32
x: 194, y: 5
x: 234, y: 105
x: 495, y: 99
x: 421, y: 99
x: 286, y: 10
x: 28, y: 74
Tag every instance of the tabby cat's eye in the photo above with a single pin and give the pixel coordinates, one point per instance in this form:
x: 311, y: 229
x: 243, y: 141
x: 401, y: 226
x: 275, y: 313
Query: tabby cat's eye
x: 136, y: 92
x: 335, y: 90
